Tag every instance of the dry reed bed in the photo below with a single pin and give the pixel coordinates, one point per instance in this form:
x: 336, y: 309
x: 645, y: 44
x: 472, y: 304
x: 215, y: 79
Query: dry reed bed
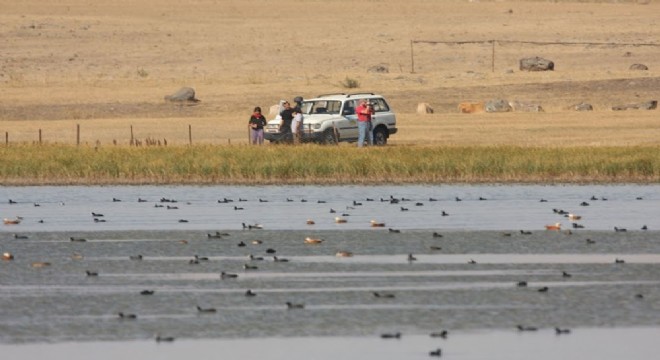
x: 313, y: 164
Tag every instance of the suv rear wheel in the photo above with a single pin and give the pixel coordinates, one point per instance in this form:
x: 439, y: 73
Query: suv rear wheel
x: 380, y: 136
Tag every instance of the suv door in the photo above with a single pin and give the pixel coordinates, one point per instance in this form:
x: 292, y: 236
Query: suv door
x: 350, y: 131
x: 328, y: 112
x: 383, y: 121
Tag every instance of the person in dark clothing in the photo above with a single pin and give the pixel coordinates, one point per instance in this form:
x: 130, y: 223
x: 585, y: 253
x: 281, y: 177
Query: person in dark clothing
x: 285, y: 123
x: 256, y: 125
x: 298, y: 100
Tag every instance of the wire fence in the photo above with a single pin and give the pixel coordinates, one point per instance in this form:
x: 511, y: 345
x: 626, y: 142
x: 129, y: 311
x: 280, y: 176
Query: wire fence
x: 131, y: 139
x: 493, y: 53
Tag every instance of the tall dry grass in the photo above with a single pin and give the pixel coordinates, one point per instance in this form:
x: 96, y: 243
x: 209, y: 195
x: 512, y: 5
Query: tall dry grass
x: 313, y: 164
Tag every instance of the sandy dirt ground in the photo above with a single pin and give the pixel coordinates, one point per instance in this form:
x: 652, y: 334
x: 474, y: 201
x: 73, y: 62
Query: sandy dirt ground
x: 106, y: 66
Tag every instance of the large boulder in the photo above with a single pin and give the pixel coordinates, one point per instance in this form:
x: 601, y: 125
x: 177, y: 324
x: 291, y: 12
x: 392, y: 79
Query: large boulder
x: 536, y: 64
x: 185, y: 94
x: 471, y: 108
x: 424, y: 108
x: 274, y: 110
x: 638, y: 67
x: 497, y: 105
x: 648, y: 105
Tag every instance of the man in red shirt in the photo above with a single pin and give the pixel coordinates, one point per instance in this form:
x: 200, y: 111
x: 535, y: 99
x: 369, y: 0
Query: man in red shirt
x: 364, y: 112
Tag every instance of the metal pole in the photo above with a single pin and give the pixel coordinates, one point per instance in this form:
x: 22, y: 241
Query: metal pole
x: 412, y: 58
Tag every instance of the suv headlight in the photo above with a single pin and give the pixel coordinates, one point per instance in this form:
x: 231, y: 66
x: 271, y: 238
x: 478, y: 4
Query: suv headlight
x: 317, y: 126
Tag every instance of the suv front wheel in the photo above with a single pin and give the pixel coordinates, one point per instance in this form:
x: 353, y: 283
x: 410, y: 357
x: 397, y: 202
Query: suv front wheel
x: 329, y: 137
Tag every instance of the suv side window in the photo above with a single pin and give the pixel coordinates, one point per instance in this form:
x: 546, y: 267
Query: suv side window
x: 333, y: 107
x: 349, y: 108
x: 326, y: 107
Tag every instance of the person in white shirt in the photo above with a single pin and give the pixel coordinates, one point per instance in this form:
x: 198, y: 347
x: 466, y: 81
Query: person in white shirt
x: 296, y: 125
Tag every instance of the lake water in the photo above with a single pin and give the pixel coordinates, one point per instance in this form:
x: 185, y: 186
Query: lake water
x: 286, y: 208
x: 464, y: 279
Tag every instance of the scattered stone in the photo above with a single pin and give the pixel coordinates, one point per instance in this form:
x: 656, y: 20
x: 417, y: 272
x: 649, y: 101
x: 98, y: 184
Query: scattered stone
x: 525, y: 106
x: 536, y: 64
x: 583, y: 106
x: 497, y: 105
x: 185, y: 94
x: 424, y: 108
x: 379, y: 69
x: 648, y: 105
x: 638, y: 67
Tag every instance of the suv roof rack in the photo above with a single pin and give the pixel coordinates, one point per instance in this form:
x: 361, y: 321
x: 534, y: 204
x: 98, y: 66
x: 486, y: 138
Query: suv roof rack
x: 360, y: 93
x: 331, y: 94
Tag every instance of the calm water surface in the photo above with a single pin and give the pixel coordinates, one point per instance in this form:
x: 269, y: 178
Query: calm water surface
x: 464, y: 279
x: 287, y: 208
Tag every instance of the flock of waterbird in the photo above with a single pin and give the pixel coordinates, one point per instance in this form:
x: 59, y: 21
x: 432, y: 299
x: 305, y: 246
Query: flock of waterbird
x: 171, y: 204
x: 343, y: 218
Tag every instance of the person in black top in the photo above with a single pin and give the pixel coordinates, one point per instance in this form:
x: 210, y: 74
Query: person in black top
x: 285, y: 123
x: 298, y: 100
x: 256, y: 125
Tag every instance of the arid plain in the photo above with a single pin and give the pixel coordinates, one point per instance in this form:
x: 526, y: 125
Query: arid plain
x: 106, y: 66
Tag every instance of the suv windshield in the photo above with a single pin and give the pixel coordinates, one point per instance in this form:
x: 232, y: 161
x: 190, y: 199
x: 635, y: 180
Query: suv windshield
x: 321, y: 107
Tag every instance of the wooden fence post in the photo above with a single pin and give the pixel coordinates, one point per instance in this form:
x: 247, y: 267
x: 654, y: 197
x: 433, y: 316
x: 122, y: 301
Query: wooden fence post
x: 7, y: 138
x: 492, y: 59
x: 39, y: 136
x: 77, y: 134
x: 412, y: 58
x: 190, y: 134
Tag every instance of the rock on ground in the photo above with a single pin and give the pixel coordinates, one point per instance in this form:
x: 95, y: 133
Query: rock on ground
x: 185, y: 94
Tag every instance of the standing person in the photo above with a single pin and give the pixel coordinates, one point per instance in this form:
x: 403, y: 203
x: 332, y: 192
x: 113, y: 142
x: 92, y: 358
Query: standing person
x: 256, y: 125
x: 364, y: 112
x: 298, y: 100
x: 285, y: 123
x: 296, y: 125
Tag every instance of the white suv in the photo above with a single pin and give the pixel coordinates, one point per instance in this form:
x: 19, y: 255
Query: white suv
x: 331, y: 118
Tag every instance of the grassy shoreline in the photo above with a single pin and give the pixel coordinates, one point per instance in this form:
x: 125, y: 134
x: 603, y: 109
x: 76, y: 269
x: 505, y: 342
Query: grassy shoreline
x: 330, y: 165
